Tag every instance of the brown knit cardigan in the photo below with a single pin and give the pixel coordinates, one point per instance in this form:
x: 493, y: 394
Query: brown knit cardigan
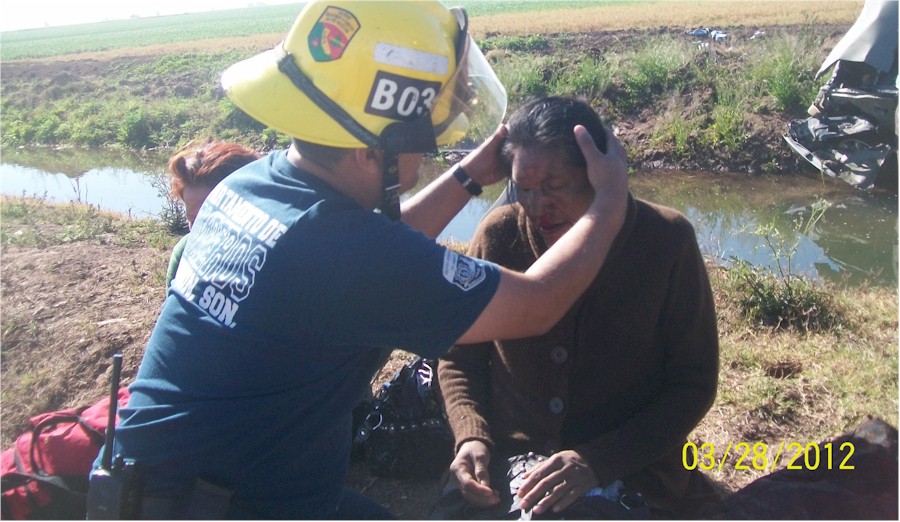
x: 623, y: 378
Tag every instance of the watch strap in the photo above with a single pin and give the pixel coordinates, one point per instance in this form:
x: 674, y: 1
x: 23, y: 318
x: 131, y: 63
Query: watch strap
x: 467, y: 183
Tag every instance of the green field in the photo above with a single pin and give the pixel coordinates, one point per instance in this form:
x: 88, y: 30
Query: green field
x: 508, y: 17
x: 231, y: 23
x: 136, y: 32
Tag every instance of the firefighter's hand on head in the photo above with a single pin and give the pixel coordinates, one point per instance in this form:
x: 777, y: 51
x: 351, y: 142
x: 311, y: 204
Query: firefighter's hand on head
x: 607, y: 172
x: 485, y: 164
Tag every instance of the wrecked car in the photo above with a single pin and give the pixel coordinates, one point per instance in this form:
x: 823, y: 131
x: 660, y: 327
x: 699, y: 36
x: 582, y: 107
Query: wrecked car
x: 852, y: 129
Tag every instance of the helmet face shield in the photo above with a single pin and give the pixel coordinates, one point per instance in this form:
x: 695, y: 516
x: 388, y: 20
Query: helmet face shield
x: 472, y: 103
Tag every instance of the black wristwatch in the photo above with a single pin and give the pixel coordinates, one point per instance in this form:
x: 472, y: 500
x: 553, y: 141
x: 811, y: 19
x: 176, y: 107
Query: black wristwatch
x: 471, y: 187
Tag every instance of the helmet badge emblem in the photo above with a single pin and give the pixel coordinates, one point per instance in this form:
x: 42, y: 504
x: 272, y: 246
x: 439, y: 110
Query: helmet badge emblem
x: 331, y: 34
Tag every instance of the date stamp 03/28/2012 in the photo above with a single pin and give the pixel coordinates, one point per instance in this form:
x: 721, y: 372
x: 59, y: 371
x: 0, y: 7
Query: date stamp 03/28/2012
x: 761, y: 456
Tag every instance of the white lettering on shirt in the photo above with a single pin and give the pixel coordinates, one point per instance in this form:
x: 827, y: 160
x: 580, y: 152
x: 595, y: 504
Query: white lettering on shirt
x: 225, y: 252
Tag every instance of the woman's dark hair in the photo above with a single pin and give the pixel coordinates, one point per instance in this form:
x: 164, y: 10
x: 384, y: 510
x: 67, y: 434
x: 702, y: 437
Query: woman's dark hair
x: 207, y: 164
x: 548, y: 123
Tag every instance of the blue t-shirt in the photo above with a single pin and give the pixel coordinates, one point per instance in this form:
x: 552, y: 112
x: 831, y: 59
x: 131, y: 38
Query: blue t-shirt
x: 284, y: 301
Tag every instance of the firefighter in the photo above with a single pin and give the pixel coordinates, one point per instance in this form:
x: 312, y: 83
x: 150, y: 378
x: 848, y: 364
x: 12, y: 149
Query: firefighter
x: 304, y: 268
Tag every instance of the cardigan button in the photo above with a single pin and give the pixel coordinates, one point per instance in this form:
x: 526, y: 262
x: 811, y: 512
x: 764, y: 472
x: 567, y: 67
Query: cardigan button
x: 559, y: 355
x: 556, y: 405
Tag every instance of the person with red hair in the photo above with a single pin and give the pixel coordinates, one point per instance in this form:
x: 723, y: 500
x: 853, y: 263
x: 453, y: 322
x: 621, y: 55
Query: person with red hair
x: 195, y: 170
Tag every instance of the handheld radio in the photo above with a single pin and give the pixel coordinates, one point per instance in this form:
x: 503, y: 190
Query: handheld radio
x: 113, y: 492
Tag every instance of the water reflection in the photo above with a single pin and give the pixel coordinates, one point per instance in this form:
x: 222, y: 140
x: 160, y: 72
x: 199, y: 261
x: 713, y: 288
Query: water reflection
x: 855, y: 240
x: 128, y: 183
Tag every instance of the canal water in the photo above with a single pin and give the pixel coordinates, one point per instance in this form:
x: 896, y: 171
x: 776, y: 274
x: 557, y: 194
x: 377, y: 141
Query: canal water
x: 766, y: 220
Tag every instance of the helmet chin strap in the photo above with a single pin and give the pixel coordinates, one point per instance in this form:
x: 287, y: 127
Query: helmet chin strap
x: 401, y: 136
x: 390, y: 176
x: 416, y: 135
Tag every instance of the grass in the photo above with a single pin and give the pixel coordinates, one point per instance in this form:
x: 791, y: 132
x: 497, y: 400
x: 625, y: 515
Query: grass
x: 507, y: 17
x: 798, y: 385
x: 778, y: 383
x: 801, y: 361
x: 36, y: 222
x: 782, y: 298
x: 785, y: 71
x: 789, y: 301
x: 651, y: 69
x: 675, y: 132
x: 138, y: 111
x: 589, y: 78
x: 523, y: 75
x: 139, y: 32
x: 234, y: 23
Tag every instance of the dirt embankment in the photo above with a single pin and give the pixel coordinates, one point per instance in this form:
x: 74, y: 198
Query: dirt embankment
x: 67, y: 308
x: 763, y: 149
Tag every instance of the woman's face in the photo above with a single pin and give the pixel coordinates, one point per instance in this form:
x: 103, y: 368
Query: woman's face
x: 193, y: 197
x: 554, y: 193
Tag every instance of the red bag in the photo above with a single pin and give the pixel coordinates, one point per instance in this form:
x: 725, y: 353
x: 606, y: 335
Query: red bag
x: 45, y: 474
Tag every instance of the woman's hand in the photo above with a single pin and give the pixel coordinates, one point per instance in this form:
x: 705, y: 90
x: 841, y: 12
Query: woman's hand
x: 470, y: 468
x: 557, y: 482
x: 485, y: 165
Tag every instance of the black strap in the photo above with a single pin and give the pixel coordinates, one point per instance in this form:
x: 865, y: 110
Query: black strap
x: 70, y: 484
x: 14, y: 480
x: 288, y: 66
x: 51, y: 421
x: 74, y: 485
x: 390, y: 197
x: 373, y: 420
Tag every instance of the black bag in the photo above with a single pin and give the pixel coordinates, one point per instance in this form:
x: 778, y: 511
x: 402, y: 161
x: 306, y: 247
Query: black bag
x: 406, y: 434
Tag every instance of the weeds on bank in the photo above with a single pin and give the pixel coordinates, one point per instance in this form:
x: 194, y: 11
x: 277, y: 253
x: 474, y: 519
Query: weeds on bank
x: 651, y: 70
x: 140, y: 112
x: 523, y: 75
x: 173, y: 215
x: 800, y: 361
x: 794, y: 385
x: 727, y: 127
x: 137, y: 111
x: 36, y: 222
x: 676, y: 132
x: 530, y: 43
x: 783, y: 298
x: 589, y: 79
x: 72, y: 222
x: 702, y: 96
x: 784, y: 69
x: 790, y: 301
